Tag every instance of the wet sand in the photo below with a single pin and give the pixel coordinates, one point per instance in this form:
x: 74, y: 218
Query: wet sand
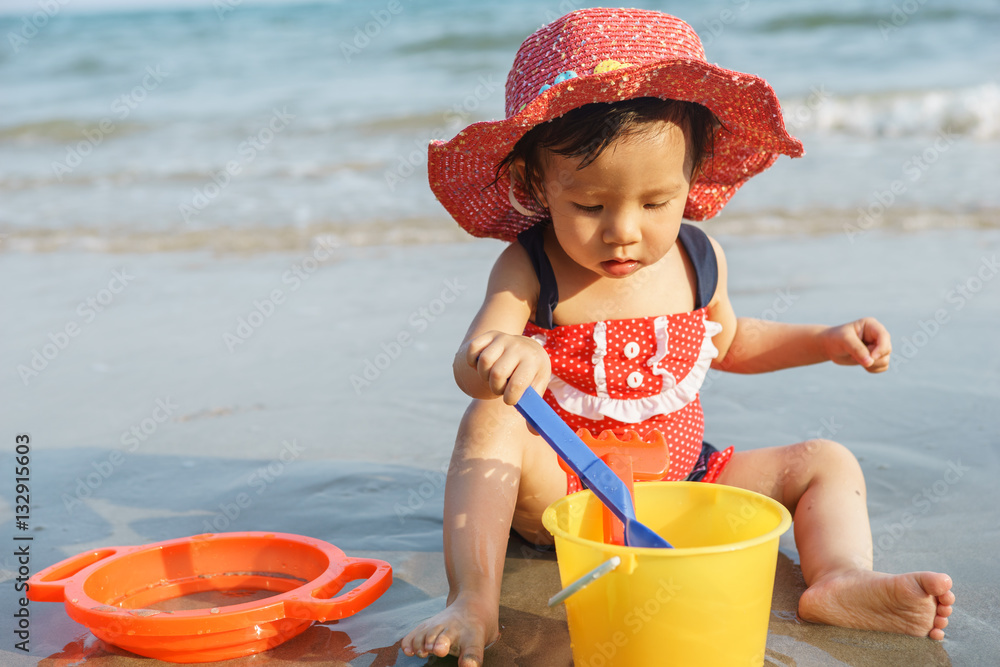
x: 288, y: 416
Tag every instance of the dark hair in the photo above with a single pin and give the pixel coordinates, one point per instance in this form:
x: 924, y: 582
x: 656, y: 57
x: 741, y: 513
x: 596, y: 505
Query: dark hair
x: 585, y: 132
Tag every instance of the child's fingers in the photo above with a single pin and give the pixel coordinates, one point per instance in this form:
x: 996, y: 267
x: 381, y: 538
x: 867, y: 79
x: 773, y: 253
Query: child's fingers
x: 487, y: 358
x: 476, y: 347
x: 858, y: 351
x: 542, y: 377
x: 876, y: 337
x: 878, y: 342
x: 879, y: 365
x: 518, y: 381
x: 499, y: 371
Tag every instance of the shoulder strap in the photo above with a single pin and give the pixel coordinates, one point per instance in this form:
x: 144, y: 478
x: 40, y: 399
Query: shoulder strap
x: 706, y: 267
x: 548, y: 292
x: 699, y: 250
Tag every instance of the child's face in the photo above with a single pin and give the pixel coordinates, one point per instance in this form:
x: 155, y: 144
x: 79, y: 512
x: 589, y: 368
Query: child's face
x: 623, y: 211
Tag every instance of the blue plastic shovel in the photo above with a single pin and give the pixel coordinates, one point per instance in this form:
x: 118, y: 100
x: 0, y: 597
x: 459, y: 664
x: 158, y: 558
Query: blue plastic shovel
x: 591, y: 470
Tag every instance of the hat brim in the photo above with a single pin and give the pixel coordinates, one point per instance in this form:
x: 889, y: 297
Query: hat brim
x: 751, y: 138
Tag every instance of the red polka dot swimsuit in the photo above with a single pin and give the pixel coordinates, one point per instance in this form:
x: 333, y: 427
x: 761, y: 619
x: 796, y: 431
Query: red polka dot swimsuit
x: 636, y: 374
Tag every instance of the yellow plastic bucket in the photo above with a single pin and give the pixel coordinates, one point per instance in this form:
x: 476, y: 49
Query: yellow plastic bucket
x: 704, y: 603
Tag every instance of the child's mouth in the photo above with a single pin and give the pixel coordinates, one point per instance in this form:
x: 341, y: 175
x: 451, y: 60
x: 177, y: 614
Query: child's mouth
x: 619, y: 267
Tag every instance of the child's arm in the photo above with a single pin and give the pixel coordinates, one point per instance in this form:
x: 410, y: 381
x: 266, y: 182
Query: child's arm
x: 758, y: 346
x: 495, y: 359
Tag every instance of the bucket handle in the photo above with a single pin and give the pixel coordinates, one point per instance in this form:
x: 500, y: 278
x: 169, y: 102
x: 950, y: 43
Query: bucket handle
x: 47, y: 585
x: 604, y: 568
x: 319, y: 606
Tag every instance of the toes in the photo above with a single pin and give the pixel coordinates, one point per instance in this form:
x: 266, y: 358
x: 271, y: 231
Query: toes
x: 472, y: 657
x: 438, y: 642
x: 406, y: 643
x: 935, y: 583
x: 441, y: 646
x: 944, y: 611
x: 455, y: 631
x: 940, y: 623
x: 424, y: 640
x: 413, y: 643
x: 472, y: 649
x: 946, y: 599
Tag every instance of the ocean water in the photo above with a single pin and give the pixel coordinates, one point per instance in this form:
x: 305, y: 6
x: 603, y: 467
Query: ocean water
x: 136, y: 126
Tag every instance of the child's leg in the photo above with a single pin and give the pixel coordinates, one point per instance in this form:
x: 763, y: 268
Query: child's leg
x: 500, y: 475
x: 821, y: 484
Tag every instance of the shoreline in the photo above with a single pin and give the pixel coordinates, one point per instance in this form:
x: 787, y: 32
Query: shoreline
x: 253, y: 240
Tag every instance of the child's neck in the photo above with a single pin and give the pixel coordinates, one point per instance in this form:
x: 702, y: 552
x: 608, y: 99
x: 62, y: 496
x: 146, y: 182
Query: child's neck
x: 664, y: 288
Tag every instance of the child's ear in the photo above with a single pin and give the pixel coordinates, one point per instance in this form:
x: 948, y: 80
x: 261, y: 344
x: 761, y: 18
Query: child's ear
x: 517, y: 170
x: 696, y: 172
x: 517, y: 174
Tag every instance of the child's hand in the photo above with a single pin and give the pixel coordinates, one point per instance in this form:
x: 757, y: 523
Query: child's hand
x: 509, y: 364
x: 864, y: 342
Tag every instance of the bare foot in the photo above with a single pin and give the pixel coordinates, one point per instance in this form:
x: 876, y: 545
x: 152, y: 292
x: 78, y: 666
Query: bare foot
x: 464, y: 628
x: 917, y: 603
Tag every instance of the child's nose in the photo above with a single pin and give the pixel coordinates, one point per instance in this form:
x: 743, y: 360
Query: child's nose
x: 622, y: 228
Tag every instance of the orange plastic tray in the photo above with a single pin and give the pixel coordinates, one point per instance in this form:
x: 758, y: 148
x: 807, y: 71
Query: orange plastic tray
x: 112, y: 590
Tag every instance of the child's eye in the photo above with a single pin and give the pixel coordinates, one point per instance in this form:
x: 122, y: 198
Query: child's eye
x: 654, y: 206
x: 588, y: 209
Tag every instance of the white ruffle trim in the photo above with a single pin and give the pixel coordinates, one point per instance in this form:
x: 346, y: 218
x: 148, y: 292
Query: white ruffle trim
x: 671, y: 398
x: 662, y: 347
x: 600, y: 349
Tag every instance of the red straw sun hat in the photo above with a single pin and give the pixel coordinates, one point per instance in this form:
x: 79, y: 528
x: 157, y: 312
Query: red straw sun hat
x: 608, y: 55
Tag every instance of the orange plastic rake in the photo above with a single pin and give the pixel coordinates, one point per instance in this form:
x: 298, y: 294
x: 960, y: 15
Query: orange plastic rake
x: 119, y: 592
x: 632, y: 459
x: 592, y: 471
